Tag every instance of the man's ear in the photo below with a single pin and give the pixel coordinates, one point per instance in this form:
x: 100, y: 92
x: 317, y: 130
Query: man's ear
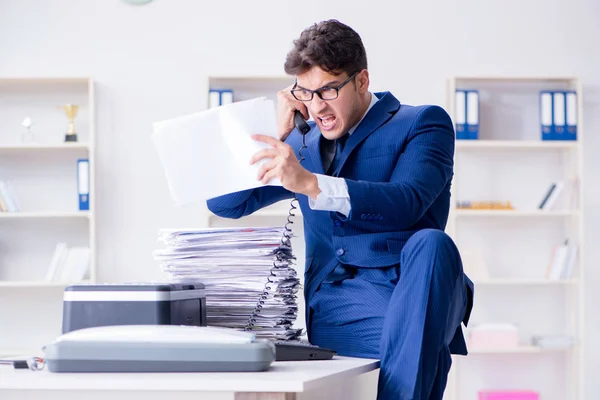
x: 362, y: 81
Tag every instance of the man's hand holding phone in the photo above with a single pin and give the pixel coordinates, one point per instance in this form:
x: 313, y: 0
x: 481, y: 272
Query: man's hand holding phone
x: 282, y: 163
x: 286, y: 106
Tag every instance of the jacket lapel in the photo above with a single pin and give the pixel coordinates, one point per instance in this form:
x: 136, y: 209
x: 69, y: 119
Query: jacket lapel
x: 379, y: 114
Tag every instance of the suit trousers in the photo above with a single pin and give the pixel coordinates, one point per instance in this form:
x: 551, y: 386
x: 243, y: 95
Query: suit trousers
x: 405, y: 315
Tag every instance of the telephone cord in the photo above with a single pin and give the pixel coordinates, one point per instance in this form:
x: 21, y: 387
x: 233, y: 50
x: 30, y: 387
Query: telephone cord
x: 279, y: 254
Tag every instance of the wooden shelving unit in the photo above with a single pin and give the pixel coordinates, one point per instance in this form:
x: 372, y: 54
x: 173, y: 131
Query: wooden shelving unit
x: 43, y: 173
x: 510, y: 162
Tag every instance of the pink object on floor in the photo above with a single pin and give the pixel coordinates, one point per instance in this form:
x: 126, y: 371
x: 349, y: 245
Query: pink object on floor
x: 508, y: 395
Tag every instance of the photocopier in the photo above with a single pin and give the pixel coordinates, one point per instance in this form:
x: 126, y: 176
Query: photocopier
x: 157, y: 327
x: 91, y: 305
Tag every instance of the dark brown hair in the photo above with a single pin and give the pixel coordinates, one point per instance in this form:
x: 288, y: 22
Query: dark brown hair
x: 331, y: 45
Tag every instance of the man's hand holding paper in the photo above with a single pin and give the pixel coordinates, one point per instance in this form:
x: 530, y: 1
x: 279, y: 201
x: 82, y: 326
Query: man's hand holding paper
x: 281, y: 164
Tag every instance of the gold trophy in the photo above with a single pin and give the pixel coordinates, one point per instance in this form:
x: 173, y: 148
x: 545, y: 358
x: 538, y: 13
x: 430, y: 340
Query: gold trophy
x: 71, y: 111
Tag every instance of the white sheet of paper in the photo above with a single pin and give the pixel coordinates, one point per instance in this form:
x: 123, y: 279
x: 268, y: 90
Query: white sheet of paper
x: 207, y: 154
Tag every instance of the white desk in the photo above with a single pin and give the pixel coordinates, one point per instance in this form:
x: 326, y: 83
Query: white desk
x: 339, y: 378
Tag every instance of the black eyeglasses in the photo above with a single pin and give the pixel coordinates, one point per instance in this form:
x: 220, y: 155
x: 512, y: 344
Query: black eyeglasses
x: 325, y: 92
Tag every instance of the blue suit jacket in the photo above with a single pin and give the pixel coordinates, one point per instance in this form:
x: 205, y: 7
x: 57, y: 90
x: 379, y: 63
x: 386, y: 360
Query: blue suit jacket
x: 398, y: 165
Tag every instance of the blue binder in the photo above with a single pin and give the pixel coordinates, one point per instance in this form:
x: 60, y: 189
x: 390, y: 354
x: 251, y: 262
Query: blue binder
x: 472, y: 114
x: 547, y: 115
x: 226, y: 96
x: 214, y: 98
x: 460, y: 114
x: 559, y: 115
x: 219, y: 97
x: 83, y: 183
x: 571, y: 115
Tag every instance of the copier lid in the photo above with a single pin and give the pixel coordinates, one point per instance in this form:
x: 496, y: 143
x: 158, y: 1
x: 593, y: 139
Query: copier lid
x: 158, y: 334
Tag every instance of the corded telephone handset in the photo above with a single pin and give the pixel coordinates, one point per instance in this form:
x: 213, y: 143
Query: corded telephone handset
x: 290, y: 350
x: 300, y: 123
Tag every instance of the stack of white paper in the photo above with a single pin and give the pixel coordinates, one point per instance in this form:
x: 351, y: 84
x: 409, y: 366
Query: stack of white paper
x: 240, y: 268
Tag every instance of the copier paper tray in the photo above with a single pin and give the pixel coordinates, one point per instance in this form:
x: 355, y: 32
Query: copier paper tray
x: 158, y: 348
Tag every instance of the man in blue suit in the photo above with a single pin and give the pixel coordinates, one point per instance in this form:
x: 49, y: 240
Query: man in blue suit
x: 382, y: 279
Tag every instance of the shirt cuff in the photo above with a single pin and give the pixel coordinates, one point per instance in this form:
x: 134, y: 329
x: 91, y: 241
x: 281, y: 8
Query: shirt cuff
x: 333, y: 197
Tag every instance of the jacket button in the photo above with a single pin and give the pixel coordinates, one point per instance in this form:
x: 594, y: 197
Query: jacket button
x: 340, y: 252
x: 380, y: 217
x: 363, y: 216
x: 337, y: 223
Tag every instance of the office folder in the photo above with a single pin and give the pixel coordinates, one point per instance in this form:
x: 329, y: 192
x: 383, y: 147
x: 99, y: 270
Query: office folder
x: 214, y: 98
x: 83, y: 183
x: 546, y: 115
x: 226, y: 97
x: 219, y: 97
x: 559, y: 115
x: 460, y: 114
x: 571, y: 115
x: 472, y: 114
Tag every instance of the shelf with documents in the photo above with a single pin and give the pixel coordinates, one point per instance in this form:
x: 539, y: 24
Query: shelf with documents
x: 47, y: 226
x: 247, y: 87
x: 527, y: 261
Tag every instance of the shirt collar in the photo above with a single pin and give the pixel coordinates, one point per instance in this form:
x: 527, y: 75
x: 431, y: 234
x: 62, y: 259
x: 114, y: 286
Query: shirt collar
x: 374, y: 100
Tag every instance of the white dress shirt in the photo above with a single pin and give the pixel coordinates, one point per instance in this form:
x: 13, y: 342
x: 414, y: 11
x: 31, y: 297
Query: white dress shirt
x: 334, y: 191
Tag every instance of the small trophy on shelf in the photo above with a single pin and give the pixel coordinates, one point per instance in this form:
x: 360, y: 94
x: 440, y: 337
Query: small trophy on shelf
x: 27, y: 136
x: 71, y: 111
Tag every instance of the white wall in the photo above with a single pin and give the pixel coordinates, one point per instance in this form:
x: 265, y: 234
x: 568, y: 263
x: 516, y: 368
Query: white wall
x: 151, y: 63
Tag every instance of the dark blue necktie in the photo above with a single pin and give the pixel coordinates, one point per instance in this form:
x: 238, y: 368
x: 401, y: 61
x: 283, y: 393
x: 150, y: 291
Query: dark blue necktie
x: 339, y: 148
